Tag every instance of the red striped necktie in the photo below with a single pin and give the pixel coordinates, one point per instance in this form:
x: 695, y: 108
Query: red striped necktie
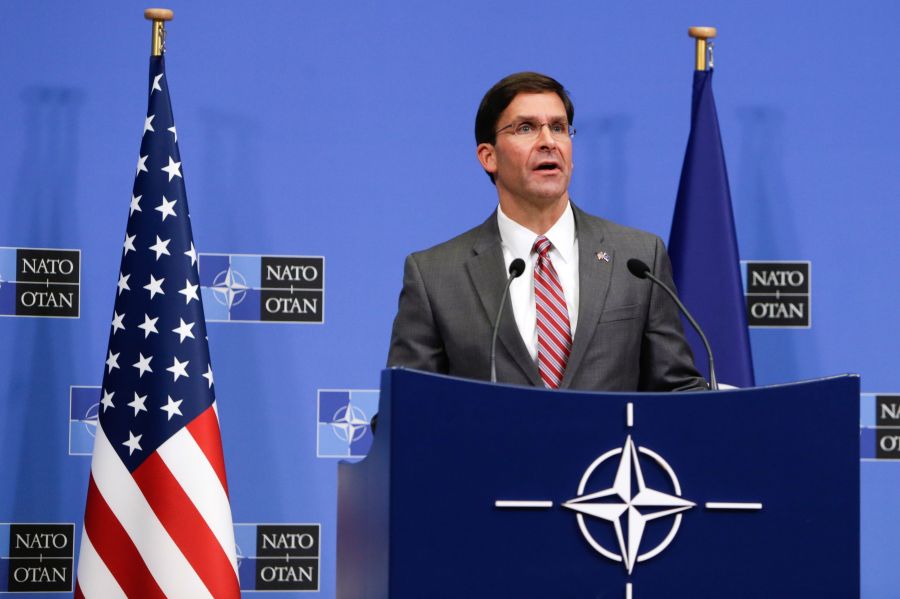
x: 554, y: 333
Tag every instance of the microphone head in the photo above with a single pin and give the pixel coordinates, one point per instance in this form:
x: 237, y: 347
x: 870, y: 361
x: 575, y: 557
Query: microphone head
x: 517, y: 267
x: 638, y: 268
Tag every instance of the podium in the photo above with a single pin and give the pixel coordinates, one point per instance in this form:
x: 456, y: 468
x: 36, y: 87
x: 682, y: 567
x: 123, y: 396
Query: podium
x: 479, y: 490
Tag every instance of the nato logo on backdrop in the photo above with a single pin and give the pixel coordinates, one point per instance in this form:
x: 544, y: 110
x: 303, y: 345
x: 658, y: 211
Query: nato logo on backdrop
x: 255, y: 288
x: 84, y: 413
x: 40, y: 282
x: 778, y: 293
x: 879, y: 421
x: 343, y: 422
x: 36, y: 557
x: 278, y: 557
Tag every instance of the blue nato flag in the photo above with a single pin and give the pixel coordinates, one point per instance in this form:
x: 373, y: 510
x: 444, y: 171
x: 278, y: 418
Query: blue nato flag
x: 703, y: 245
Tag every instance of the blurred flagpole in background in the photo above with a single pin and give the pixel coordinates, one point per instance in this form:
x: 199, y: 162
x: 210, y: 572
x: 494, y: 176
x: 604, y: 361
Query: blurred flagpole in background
x: 158, y: 519
x: 703, y: 244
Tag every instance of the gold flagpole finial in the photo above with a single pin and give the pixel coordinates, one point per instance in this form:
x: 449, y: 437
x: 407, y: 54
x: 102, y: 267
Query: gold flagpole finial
x: 702, y: 34
x: 159, y: 16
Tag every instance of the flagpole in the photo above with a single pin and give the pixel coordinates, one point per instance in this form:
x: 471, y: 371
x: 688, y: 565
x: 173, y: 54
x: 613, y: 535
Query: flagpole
x: 706, y: 263
x: 159, y: 16
x: 701, y: 35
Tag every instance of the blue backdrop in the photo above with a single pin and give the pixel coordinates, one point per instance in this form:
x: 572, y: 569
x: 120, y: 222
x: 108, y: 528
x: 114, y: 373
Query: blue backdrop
x: 345, y: 131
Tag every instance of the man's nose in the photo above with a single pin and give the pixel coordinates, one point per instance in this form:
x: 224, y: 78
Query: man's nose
x: 545, y: 137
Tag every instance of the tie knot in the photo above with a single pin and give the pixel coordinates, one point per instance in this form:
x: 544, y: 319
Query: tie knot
x: 541, y: 246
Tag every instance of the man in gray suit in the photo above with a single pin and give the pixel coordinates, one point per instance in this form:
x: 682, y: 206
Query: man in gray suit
x: 577, y: 318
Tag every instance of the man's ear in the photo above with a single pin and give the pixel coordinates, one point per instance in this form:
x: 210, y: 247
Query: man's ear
x: 487, y: 157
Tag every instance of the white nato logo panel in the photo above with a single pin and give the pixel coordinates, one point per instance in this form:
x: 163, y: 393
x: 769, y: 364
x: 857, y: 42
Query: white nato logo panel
x: 628, y: 503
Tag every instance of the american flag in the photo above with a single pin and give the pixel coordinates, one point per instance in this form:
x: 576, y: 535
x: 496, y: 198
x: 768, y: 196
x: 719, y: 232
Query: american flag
x: 158, y: 520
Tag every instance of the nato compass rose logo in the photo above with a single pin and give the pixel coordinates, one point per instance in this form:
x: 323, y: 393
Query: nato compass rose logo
x: 627, y: 503
x: 343, y: 422
x: 85, y: 404
x: 229, y: 288
x: 90, y: 420
x: 349, y: 423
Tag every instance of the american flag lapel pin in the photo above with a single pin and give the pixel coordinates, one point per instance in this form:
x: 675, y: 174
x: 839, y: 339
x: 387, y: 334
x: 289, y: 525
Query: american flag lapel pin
x: 603, y: 256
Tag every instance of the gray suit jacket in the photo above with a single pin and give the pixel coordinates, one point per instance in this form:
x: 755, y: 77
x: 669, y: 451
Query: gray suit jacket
x: 629, y: 335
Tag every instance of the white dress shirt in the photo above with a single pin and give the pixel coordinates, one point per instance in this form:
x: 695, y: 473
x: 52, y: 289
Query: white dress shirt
x: 517, y: 242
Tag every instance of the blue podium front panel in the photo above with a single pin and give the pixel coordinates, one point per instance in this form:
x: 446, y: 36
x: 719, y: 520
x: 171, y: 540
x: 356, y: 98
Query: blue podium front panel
x: 477, y: 490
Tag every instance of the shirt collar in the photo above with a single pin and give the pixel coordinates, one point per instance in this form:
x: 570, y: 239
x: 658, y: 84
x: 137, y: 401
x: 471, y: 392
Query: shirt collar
x: 519, y: 240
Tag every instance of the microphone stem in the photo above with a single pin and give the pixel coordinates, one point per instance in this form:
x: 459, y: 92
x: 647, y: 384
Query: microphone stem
x: 713, y: 384
x: 497, y: 329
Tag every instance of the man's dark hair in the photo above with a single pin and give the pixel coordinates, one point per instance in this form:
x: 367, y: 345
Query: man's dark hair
x: 502, y: 94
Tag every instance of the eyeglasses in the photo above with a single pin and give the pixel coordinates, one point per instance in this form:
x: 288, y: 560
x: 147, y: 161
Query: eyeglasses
x: 527, y: 130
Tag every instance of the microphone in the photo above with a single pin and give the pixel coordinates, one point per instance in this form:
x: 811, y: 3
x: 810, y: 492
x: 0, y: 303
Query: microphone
x: 642, y: 271
x: 516, y: 268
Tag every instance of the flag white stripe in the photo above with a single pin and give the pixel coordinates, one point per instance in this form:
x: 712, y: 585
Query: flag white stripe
x: 200, y: 482
x: 164, y: 559
x: 94, y: 578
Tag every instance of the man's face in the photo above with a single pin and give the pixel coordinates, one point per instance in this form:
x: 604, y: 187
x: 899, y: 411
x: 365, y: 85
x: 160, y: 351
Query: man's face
x: 530, y: 171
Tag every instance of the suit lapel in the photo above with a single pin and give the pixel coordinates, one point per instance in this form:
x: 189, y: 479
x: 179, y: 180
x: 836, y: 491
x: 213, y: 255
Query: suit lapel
x: 594, y: 275
x: 486, y: 269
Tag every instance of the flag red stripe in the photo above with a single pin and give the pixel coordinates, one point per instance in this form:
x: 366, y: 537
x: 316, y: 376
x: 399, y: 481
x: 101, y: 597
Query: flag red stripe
x: 205, y: 431
x: 184, y: 523
x: 78, y: 594
x: 115, y: 548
